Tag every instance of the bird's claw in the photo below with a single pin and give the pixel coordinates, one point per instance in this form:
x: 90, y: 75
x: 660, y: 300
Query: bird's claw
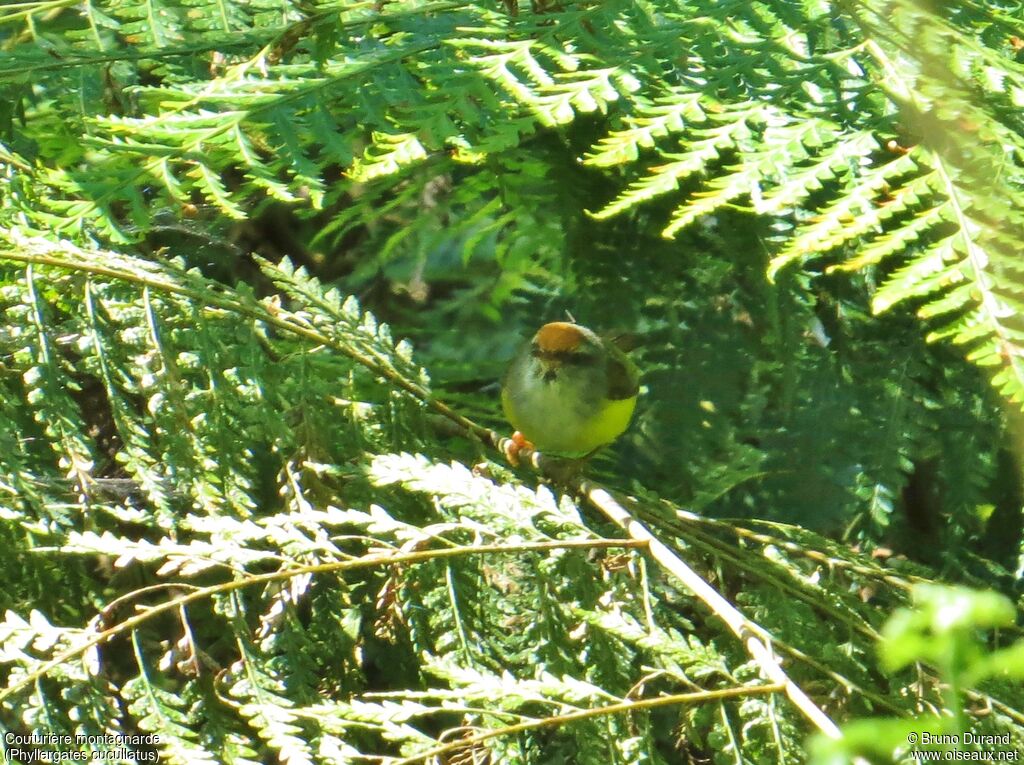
x: 514, y: 445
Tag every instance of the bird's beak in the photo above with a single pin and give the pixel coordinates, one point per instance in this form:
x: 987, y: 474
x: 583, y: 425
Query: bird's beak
x: 549, y: 369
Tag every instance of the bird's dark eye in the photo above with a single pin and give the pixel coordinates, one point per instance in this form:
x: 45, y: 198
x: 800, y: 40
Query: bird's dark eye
x: 578, y: 358
x: 564, y: 357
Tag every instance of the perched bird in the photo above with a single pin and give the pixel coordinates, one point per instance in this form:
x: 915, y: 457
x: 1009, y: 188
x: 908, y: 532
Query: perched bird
x: 569, y: 391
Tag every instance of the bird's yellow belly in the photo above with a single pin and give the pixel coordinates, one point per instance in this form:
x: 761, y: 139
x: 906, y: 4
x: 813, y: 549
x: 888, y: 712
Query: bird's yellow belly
x: 563, y: 430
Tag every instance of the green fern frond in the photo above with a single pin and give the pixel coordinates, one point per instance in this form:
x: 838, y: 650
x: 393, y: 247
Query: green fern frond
x: 858, y: 211
x: 665, y: 116
x: 721, y: 191
x: 388, y: 155
x: 956, y: 276
x: 664, y: 179
x: 809, y: 177
x: 895, y: 241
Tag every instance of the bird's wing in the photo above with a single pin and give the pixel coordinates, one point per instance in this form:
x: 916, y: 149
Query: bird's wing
x: 623, y: 376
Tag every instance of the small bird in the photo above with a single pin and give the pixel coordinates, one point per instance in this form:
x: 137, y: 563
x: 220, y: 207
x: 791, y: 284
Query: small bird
x: 569, y: 391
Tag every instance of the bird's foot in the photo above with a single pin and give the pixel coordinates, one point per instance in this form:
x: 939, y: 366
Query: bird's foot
x: 515, y: 445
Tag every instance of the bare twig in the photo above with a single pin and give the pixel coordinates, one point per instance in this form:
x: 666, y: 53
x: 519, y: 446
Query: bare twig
x: 754, y: 638
x: 698, y: 697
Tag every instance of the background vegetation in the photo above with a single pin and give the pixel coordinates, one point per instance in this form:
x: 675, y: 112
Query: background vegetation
x: 260, y: 258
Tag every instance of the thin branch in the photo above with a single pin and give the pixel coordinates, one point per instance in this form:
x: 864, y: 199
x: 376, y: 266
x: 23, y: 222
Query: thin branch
x: 585, y: 714
x: 754, y: 638
x: 901, y: 581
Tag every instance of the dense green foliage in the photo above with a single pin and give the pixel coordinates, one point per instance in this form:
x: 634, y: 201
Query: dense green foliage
x: 807, y: 213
